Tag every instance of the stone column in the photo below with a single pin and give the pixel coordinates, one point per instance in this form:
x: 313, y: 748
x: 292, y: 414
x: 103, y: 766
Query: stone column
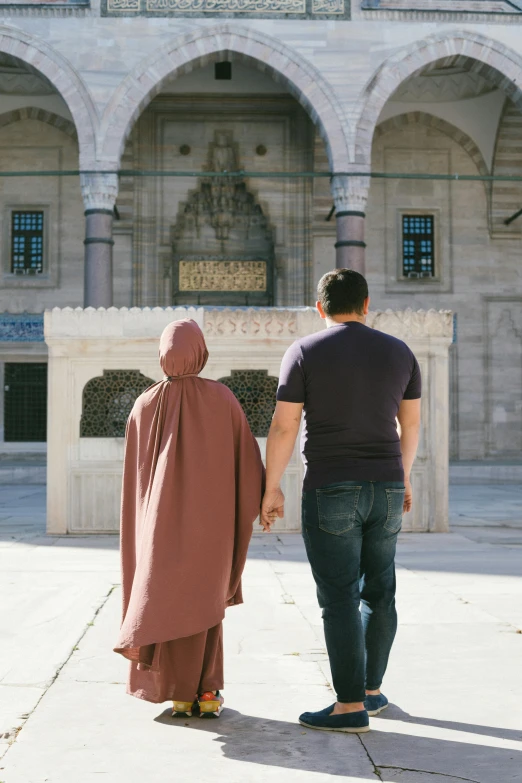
x: 350, y: 195
x: 99, y: 196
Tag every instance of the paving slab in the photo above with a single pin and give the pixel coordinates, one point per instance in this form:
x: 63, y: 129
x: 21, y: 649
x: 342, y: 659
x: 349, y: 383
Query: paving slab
x: 453, y: 678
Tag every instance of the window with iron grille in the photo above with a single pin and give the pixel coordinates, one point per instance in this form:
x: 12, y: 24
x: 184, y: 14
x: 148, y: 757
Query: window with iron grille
x: 27, y: 242
x: 418, y: 246
x: 25, y: 402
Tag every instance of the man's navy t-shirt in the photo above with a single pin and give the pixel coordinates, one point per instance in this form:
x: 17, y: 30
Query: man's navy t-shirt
x: 351, y: 380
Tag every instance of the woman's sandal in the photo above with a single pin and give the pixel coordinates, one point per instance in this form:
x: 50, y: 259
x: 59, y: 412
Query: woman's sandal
x: 210, y: 704
x: 184, y: 709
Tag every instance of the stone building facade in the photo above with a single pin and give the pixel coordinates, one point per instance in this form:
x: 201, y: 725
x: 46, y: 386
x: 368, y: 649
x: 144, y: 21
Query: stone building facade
x: 345, y: 120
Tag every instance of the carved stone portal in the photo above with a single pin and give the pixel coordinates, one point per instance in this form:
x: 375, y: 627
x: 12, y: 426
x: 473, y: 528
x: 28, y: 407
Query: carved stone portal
x: 222, y: 244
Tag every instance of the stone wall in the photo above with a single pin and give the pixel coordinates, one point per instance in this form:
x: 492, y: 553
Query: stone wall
x: 478, y: 278
x: 352, y: 77
x: 36, y: 141
x: 84, y: 473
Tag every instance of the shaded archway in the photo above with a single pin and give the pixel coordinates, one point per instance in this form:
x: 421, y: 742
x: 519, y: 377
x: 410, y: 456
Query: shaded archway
x: 41, y: 115
x: 60, y: 73
x: 180, y: 56
x: 501, y: 65
x: 436, y: 123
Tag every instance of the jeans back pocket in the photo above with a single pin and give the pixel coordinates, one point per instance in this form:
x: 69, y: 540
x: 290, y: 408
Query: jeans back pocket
x: 395, y: 498
x: 337, y: 508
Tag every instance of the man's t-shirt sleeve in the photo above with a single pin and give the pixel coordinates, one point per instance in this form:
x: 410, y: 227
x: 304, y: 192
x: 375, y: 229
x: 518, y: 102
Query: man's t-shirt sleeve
x: 291, y: 379
x: 414, y: 387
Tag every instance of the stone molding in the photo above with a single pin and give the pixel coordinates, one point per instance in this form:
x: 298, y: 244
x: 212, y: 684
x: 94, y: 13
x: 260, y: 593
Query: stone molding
x: 237, y: 323
x: 41, y: 10
x: 99, y: 191
x: 206, y: 44
x: 113, y: 322
x: 503, y: 64
x: 33, y: 113
x: 39, y: 55
x: 415, y: 324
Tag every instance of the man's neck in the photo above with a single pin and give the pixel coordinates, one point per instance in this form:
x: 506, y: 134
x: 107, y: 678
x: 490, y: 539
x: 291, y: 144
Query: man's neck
x: 335, y: 320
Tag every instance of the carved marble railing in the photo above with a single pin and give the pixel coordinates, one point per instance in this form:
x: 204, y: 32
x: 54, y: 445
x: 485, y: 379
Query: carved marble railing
x: 240, y: 322
x: 84, y: 473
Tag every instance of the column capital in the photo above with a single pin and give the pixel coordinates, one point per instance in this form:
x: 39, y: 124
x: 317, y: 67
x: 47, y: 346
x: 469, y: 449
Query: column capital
x: 350, y: 193
x: 99, y: 191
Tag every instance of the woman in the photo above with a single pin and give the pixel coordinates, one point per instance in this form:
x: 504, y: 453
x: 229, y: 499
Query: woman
x: 192, y: 483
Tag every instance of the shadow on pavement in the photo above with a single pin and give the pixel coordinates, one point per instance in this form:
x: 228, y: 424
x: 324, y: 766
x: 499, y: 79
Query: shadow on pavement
x: 274, y: 743
x: 395, y: 713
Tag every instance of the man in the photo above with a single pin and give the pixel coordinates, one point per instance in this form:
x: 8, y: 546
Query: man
x: 353, y: 383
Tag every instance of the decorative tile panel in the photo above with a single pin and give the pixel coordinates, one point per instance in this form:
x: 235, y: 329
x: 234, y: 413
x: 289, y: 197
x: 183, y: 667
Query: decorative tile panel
x: 21, y: 328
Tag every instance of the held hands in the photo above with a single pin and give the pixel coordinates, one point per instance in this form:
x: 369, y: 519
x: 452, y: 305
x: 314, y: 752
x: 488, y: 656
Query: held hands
x: 408, y: 496
x: 273, y: 506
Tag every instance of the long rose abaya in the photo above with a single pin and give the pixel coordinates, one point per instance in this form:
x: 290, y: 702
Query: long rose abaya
x: 192, y: 483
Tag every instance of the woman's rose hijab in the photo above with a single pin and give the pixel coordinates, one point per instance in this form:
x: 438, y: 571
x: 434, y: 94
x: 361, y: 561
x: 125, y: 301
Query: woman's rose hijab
x: 192, y: 484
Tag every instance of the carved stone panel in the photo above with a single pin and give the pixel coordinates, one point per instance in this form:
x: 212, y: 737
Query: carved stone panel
x: 222, y: 242
x: 222, y: 276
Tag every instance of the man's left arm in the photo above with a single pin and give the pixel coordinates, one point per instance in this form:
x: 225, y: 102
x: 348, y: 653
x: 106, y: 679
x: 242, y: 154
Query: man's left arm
x: 279, y: 448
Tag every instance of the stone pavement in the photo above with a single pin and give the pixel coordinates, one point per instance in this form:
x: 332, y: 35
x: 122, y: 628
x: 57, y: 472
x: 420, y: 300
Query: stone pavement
x: 454, y: 676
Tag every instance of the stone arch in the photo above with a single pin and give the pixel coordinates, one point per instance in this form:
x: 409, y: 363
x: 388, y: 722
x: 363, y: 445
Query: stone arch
x: 180, y: 56
x: 431, y: 121
x: 35, y: 52
x: 506, y: 196
x: 33, y: 113
x: 501, y: 65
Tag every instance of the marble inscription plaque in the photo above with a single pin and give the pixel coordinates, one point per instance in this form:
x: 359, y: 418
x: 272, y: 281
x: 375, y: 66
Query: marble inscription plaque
x: 229, y: 6
x: 222, y: 276
x: 307, y: 9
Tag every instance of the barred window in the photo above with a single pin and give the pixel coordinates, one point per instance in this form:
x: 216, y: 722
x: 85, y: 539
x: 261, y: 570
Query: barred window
x: 25, y: 402
x: 108, y: 400
x: 256, y: 392
x: 27, y: 242
x: 418, y: 246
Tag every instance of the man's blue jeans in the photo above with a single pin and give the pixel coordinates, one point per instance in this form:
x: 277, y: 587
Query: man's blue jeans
x: 350, y: 531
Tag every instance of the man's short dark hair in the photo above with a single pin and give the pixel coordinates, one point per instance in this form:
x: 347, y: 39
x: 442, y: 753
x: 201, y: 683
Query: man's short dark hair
x: 342, y: 292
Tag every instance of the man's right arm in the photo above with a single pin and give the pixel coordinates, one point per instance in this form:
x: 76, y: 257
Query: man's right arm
x: 409, y: 420
x: 283, y: 432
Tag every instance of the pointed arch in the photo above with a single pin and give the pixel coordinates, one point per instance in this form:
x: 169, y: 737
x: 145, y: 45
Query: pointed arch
x: 41, y: 115
x: 206, y: 45
x: 436, y: 123
x: 501, y: 65
x: 37, y: 53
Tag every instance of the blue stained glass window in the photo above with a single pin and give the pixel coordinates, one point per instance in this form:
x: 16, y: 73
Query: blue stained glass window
x: 27, y: 242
